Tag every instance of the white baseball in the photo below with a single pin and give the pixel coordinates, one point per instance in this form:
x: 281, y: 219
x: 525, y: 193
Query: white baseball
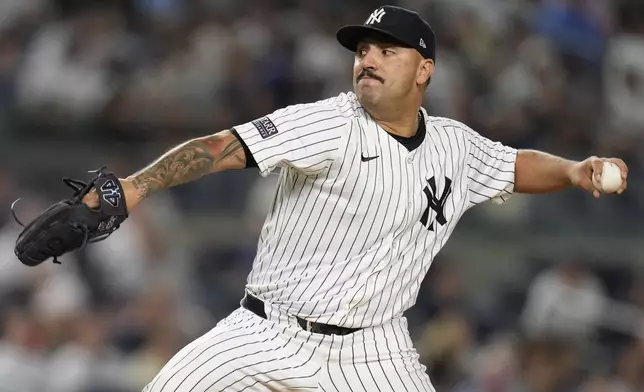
x: 611, y: 178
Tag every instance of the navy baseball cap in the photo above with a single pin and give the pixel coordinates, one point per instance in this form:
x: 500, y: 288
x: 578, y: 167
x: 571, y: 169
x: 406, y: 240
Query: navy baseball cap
x: 395, y: 24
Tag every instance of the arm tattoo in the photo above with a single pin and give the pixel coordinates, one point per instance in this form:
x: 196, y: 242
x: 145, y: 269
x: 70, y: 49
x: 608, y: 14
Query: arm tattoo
x: 190, y: 161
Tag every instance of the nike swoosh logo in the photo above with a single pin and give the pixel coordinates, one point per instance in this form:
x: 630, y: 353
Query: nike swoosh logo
x: 367, y: 159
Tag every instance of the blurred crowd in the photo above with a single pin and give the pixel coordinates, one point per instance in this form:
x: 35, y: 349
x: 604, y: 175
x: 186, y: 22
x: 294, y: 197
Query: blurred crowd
x: 87, y: 82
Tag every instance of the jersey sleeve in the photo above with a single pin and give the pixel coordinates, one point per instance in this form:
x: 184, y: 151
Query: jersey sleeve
x: 306, y: 137
x: 490, y: 168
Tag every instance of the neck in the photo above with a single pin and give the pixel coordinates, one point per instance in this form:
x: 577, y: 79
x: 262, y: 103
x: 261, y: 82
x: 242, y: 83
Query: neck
x: 403, y: 123
x: 399, y: 117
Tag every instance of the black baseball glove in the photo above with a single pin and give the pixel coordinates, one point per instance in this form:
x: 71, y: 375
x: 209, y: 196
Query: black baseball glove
x: 70, y: 224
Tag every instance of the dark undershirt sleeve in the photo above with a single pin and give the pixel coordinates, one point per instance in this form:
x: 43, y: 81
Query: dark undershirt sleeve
x: 250, y: 160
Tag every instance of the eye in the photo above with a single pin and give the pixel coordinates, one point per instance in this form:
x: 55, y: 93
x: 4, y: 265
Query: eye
x: 388, y: 52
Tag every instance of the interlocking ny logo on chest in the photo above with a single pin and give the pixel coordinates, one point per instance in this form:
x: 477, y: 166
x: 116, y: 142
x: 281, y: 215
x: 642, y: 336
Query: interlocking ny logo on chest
x: 436, y: 202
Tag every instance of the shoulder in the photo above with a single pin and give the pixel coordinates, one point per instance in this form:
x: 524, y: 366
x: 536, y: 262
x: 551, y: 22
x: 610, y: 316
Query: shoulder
x: 459, y: 130
x: 346, y: 105
x: 343, y: 105
x: 347, y: 100
x: 450, y: 127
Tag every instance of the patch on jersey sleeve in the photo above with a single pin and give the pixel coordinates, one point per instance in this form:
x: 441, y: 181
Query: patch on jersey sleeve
x: 265, y: 127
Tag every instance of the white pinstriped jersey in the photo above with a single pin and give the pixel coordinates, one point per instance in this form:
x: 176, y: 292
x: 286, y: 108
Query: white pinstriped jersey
x: 357, y: 218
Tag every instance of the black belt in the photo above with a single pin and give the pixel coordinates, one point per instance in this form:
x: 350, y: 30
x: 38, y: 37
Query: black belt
x: 256, y: 306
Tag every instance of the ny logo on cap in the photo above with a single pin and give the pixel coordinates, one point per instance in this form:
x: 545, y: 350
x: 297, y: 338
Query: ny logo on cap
x: 376, y: 16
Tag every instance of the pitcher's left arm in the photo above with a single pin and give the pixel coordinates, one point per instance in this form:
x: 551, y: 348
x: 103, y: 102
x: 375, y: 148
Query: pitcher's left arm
x: 495, y: 171
x: 540, y: 172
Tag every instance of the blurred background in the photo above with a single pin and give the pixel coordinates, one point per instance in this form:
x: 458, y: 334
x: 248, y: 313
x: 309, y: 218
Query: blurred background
x: 540, y: 294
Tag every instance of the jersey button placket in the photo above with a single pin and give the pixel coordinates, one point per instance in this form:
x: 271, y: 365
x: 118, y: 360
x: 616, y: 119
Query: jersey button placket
x: 410, y: 193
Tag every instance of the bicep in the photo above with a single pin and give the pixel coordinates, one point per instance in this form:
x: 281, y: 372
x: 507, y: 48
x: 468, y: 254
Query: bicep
x: 226, y: 150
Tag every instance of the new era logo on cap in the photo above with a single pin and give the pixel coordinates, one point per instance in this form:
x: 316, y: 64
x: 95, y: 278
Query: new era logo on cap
x: 422, y: 43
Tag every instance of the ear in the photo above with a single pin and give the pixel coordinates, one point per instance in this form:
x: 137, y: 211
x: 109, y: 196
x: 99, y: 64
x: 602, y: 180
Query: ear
x: 425, y: 71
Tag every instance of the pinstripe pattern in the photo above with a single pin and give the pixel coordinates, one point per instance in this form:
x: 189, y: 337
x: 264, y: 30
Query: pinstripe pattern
x: 243, y: 353
x: 247, y: 353
x: 380, y: 358
x: 343, y: 244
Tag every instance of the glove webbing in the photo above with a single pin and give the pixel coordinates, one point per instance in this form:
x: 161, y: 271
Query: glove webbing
x: 80, y: 189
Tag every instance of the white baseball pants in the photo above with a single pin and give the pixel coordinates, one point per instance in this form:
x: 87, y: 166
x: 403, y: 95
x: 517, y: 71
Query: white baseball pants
x: 245, y: 352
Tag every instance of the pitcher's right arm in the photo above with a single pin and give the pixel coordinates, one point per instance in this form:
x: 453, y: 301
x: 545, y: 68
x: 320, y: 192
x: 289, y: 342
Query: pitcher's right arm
x: 184, y: 163
x: 305, y: 137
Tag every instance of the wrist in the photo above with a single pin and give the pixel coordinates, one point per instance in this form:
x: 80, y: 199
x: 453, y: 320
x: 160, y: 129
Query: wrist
x: 570, y: 170
x: 135, y: 191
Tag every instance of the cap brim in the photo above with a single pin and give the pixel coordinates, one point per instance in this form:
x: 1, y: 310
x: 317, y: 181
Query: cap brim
x: 350, y: 36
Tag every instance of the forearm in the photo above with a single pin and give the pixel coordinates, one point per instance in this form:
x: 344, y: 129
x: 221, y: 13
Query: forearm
x: 539, y: 172
x: 190, y: 161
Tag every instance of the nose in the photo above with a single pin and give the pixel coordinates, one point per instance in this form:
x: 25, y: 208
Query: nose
x: 369, y: 60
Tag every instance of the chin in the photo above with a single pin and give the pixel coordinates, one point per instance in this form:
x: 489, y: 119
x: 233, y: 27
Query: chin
x: 367, y: 96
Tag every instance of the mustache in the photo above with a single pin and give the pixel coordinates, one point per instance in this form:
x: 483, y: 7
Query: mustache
x: 367, y: 72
